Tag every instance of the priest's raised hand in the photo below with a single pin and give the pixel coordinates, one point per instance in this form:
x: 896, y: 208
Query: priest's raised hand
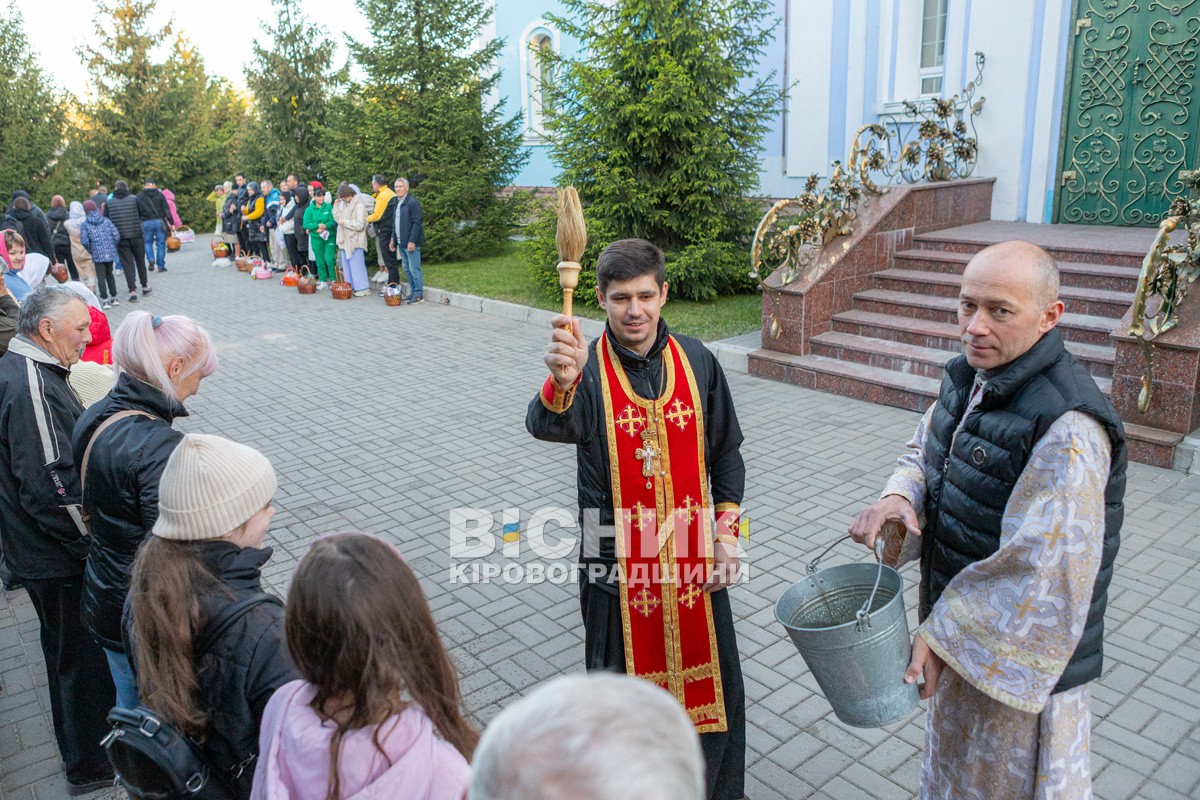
x: 567, y: 352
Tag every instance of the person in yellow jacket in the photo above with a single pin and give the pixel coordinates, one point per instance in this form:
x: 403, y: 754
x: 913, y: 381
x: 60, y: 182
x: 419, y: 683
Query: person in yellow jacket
x: 252, y: 219
x: 383, y: 218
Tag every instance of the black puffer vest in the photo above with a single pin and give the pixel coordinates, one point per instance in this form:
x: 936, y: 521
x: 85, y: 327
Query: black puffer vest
x: 968, y: 486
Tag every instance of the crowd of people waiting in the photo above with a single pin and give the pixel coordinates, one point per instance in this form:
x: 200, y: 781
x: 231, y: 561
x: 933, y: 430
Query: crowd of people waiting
x: 94, y: 238
x: 142, y: 550
x: 302, y: 225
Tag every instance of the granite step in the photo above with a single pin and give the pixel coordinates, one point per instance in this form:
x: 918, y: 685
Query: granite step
x: 848, y: 379
x: 1088, y: 328
x: 1098, y: 302
x: 944, y: 336
x: 1152, y: 446
x: 914, y: 359
x: 1096, y: 245
x: 930, y: 361
x: 1120, y: 278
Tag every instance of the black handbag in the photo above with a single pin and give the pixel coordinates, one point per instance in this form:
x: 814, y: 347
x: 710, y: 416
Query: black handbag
x: 153, y: 760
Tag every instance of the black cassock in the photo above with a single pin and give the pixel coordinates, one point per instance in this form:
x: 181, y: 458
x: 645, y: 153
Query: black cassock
x: 582, y: 424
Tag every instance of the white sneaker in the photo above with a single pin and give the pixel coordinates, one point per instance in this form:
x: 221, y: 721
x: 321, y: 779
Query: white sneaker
x: 321, y: 285
x: 362, y: 293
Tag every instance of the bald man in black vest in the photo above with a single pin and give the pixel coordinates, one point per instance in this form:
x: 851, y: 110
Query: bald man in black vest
x: 1010, y: 494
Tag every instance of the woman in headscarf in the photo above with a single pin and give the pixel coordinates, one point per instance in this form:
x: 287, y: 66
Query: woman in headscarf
x: 79, y: 254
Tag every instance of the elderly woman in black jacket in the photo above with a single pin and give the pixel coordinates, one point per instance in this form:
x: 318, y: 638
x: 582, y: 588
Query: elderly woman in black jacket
x: 160, y: 363
x: 205, y: 554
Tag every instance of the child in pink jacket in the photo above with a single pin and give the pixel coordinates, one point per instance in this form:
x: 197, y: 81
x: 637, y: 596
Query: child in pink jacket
x: 378, y: 713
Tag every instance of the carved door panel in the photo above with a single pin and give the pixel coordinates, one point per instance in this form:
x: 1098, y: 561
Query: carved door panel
x: 1132, y: 119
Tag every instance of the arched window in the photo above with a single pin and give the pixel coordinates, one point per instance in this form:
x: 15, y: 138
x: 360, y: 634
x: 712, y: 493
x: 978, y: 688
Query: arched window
x: 537, y: 74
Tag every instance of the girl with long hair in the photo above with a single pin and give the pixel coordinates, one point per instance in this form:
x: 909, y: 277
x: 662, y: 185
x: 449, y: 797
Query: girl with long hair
x: 206, y: 553
x: 378, y: 712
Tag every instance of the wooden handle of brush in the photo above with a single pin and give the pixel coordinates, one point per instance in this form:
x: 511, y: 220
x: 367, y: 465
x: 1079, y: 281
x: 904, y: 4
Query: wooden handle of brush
x: 568, y: 305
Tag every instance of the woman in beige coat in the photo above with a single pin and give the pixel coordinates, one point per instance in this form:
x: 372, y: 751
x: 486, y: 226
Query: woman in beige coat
x: 351, y: 218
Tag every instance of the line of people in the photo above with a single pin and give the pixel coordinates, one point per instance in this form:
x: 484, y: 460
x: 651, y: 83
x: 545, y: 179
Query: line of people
x: 303, y: 225
x: 107, y: 233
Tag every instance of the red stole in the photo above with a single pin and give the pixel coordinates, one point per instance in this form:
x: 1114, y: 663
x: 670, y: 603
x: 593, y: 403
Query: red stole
x: 664, y: 533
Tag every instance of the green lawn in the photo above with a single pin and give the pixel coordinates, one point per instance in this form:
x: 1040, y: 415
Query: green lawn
x: 506, y: 277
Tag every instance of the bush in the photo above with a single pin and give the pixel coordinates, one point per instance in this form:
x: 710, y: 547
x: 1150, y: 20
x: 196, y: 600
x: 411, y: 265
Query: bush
x: 700, y: 271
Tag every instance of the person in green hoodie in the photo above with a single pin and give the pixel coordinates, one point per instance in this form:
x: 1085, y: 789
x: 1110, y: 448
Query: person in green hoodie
x: 322, y: 234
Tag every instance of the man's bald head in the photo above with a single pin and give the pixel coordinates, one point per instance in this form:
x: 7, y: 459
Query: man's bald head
x: 1019, y: 256
x: 1008, y: 300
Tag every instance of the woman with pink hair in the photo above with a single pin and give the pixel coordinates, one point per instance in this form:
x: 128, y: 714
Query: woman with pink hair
x: 160, y: 363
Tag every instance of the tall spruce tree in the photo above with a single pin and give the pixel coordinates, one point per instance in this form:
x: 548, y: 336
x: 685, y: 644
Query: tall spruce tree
x: 658, y: 121
x: 291, y: 82
x: 425, y: 111
x: 32, y: 112
x: 167, y: 120
x: 126, y: 113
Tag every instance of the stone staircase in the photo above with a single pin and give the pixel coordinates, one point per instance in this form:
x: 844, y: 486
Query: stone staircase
x: 876, y: 317
x: 898, y: 335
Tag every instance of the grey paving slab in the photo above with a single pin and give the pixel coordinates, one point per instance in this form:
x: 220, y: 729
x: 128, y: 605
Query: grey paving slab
x: 387, y: 419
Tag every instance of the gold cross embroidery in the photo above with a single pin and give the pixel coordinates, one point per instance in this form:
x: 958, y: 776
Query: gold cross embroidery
x: 645, y: 603
x: 990, y: 672
x: 690, y: 595
x: 1025, y: 607
x: 680, y: 414
x: 1054, y: 536
x: 630, y: 420
x: 689, y: 507
x: 640, y: 515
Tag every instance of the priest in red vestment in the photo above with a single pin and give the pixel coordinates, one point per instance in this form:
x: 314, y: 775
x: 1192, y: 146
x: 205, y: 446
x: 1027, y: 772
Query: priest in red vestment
x: 660, y: 489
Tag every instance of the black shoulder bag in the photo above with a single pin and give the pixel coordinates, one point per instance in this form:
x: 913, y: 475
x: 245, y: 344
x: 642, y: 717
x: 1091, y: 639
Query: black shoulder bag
x: 154, y: 761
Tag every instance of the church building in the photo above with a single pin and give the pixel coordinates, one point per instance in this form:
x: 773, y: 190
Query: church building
x: 1090, y: 109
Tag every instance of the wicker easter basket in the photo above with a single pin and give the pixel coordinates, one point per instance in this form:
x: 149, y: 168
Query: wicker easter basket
x: 173, y: 243
x: 218, y: 247
x: 290, y: 277
x: 341, y: 288
x: 306, y: 283
x: 393, y: 295
x: 244, y: 264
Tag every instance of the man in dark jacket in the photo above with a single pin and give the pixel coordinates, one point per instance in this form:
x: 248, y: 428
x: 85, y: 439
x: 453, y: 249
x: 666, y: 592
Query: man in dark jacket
x: 37, y: 235
x: 1019, y: 470
x: 155, y: 227
x: 127, y: 213
x: 45, y: 540
x: 410, y: 236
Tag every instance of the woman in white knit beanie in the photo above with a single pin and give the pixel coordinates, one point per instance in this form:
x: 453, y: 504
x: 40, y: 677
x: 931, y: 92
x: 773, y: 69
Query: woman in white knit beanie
x: 205, y: 554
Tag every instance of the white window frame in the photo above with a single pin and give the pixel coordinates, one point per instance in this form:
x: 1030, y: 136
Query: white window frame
x: 531, y: 114
x: 935, y: 71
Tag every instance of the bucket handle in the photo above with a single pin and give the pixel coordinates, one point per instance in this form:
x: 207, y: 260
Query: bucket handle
x: 863, y: 616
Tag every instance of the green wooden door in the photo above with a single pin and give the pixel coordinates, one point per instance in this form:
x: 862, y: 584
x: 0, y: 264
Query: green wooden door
x: 1132, y: 112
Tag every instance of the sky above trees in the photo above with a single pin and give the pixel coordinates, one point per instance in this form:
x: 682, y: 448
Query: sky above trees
x: 223, y: 32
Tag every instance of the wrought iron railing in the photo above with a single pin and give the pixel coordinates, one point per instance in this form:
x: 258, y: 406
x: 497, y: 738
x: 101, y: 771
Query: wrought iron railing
x: 1167, y: 272
x: 928, y: 140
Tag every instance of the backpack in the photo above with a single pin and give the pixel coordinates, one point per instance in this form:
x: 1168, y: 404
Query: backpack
x: 153, y: 760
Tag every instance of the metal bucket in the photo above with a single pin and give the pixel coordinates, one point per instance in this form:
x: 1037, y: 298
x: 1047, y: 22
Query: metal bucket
x: 848, y: 623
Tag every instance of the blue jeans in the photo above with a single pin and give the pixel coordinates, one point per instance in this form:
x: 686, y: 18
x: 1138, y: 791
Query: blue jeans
x: 122, y: 674
x: 155, y: 237
x: 411, y: 261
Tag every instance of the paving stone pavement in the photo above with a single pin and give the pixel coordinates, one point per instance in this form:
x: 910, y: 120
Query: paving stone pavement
x: 385, y: 419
